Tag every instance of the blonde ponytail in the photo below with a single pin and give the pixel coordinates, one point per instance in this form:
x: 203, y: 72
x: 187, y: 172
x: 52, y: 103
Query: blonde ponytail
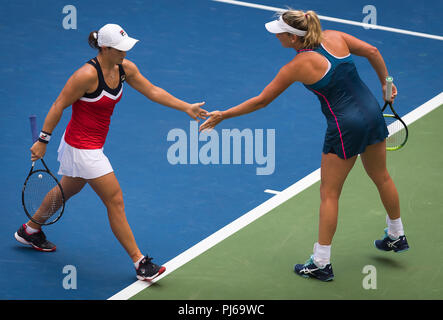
x: 307, y: 21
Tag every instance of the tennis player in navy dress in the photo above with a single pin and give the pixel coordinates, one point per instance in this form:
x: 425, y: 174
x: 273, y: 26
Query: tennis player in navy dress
x: 351, y: 110
x: 355, y: 124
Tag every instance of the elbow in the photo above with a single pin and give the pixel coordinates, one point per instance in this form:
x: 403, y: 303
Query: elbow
x: 262, y: 101
x: 58, y: 107
x: 373, y: 51
x: 154, y: 93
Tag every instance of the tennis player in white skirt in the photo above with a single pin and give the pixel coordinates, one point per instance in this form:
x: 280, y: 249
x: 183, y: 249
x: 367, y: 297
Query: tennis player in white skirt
x: 88, y: 164
x: 93, y: 91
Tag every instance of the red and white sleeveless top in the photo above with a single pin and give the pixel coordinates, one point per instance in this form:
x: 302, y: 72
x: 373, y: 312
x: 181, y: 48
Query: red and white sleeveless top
x: 91, y: 114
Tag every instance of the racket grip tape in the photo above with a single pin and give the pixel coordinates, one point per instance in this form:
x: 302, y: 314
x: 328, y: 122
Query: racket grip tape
x: 389, y: 81
x: 34, y: 132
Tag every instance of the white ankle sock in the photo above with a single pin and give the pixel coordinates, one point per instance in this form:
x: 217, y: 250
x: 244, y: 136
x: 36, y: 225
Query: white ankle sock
x: 137, y: 263
x: 395, y: 227
x: 31, y: 230
x: 322, y: 255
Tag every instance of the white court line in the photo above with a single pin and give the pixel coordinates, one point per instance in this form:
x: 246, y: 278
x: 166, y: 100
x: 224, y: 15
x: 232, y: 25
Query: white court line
x: 223, y: 233
x: 355, y: 23
x: 255, y: 213
x: 272, y: 191
x: 424, y: 109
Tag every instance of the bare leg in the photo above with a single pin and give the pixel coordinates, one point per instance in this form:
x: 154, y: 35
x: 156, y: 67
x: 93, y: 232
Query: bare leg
x: 70, y: 186
x: 109, y: 191
x: 374, y: 161
x: 334, y: 171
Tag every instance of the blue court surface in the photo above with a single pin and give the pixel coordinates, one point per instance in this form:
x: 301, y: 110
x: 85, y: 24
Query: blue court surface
x: 197, y: 50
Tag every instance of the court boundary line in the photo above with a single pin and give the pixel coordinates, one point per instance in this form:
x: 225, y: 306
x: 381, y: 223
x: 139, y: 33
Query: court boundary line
x: 255, y: 213
x: 344, y: 21
x: 272, y: 191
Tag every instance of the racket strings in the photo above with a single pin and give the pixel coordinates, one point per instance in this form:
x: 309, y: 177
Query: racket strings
x: 397, y: 132
x: 43, y: 197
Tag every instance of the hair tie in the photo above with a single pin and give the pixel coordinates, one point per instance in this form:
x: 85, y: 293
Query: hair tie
x: 95, y: 35
x: 306, y: 15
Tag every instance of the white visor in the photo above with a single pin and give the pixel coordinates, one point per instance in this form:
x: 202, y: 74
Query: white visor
x: 279, y: 26
x: 112, y: 35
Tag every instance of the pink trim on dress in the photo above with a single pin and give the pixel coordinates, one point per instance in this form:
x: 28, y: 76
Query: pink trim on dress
x: 336, y: 121
x: 302, y: 50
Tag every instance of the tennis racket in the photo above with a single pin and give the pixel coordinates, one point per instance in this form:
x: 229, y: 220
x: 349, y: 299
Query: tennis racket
x: 398, y: 130
x: 42, y: 195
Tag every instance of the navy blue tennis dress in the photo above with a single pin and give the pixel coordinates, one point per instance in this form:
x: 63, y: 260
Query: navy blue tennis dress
x: 353, y: 115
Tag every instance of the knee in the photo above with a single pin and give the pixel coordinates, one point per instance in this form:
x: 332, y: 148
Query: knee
x: 380, y: 178
x: 116, y: 202
x: 327, y: 193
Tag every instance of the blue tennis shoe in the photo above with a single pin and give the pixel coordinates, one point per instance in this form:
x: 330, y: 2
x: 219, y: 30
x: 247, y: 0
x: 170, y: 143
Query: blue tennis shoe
x: 310, y: 270
x: 399, y: 244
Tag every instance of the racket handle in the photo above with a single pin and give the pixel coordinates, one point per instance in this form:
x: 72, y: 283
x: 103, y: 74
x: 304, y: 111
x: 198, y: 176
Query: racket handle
x: 33, y: 121
x: 389, y: 81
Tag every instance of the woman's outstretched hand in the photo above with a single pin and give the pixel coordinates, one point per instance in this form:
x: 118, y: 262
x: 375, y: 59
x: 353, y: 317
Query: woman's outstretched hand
x: 215, y: 117
x: 196, y: 112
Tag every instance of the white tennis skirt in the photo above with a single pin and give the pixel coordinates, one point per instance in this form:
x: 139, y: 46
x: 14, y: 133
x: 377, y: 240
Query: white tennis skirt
x: 82, y: 163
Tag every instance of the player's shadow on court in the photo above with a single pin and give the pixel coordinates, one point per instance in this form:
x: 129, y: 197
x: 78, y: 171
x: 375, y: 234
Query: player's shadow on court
x: 24, y: 248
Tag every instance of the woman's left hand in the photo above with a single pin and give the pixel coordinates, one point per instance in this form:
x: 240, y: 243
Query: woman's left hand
x: 195, y: 111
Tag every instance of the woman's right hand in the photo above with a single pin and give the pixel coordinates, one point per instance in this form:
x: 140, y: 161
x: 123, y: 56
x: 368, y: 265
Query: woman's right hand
x: 195, y: 111
x: 394, y: 92
x: 215, y: 117
x: 38, y: 150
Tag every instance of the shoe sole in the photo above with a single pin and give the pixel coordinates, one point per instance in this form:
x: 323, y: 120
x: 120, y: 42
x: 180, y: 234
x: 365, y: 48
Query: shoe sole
x: 326, y: 280
x: 307, y: 277
x: 160, y: 271
x: 23, y: 241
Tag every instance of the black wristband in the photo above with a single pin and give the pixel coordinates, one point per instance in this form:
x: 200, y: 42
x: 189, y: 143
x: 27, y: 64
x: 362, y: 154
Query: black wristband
x: 44, y: 137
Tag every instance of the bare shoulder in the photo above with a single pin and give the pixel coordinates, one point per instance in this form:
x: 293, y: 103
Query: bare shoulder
x: 301, y: 62
x: 335, y: 42
x: 85, y: 73
x: 81, y: 81
x: 332, y: 34
x: 300, y: 65
x: 129, y: 67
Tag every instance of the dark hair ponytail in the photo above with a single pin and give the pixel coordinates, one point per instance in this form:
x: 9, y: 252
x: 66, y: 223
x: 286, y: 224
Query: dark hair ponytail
x: 92, y: 40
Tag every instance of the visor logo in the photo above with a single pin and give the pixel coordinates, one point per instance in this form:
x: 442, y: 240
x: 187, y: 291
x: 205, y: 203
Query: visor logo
x: 122, y: 33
